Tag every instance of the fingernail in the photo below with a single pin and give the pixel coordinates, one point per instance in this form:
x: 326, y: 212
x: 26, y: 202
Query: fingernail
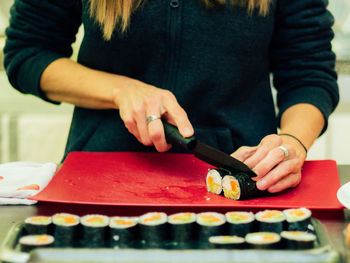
x: 188, y: 132
x: 261, y: 184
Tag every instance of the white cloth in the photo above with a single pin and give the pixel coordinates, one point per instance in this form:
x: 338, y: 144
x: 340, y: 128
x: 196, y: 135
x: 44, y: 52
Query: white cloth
x: 20, y: 180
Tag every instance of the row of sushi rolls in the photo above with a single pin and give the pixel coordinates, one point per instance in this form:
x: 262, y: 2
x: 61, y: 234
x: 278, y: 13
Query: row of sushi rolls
x: 267, y: 229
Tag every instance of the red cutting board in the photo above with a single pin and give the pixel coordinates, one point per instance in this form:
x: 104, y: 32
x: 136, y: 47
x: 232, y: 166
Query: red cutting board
x: 173, y: 180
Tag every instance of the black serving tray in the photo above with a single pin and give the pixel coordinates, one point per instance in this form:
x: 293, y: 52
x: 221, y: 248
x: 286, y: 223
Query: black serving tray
x: 323, y: 252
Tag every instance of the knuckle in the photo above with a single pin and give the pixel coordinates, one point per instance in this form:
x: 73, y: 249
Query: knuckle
x: 138, y: 110
x: 147, y: 142
x: 128, y: 121
x: 156, y: 136
x: 151, y: 100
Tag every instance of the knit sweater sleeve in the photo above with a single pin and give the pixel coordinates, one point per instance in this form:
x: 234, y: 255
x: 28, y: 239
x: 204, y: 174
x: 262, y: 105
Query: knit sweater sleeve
x: 39, y: 33
x: 302, y: 57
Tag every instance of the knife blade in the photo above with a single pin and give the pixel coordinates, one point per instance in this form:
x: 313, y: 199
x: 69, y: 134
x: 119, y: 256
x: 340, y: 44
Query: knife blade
x: 205, y: 152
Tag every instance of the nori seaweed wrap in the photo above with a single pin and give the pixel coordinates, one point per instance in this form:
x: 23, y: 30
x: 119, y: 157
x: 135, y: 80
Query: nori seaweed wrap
x: 270, y: 221
x: 65, y: 229
x: 263, y: 240
x: 240, y: 186
x: 37, y: 225
x: 227, y: 242
x: 298, y: 219
x: 153, y: 229
x: 123, y: 232
x: 209, y: 224
x: 298, y: 239
x: 182, y: 229
x: 94, y: 231
x: 214, y: 179
x: 239, y: 223
x: 30, y: 242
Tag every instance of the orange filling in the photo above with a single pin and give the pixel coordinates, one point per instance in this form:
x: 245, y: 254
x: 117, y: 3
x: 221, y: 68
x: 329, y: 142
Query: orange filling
x: 39, y: 218
x: 271, y: 214
x: 210, y: 218
x: 234, y: 186
x: 122, y: 222
x: 297, y: 213
x: 237, y: 217
x: 153, y: 218
x: 42, y: 239
x: 210, y: 180
x: 269, y: 237
x: 69, y: 219
x: 184, y: 216
x: 95, y: 219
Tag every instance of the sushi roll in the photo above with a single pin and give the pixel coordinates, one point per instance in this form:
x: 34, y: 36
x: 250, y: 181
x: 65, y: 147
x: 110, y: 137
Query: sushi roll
x: 209, y: 224
x: 298, y: 219
x: 263, y: 240
x: 30, y: 242
x: 240, y: 186
x: 94, y: 230
x: 153, y: 229
x: 37, y: 225
x: 123, y: 232
x: 227, y: 242
x: 270, y: 221
x: 239, y: 223
x: 65, y: 229
x: 214, y: 180
x: 182, y: 229
x: 298, y: 239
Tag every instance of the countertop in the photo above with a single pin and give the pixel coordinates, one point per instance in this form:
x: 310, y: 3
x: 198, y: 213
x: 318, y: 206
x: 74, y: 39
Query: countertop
x: 334, y: 224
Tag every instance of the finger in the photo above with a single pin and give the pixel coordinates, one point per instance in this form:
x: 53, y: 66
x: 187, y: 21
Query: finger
x: 244, y: 152
x: 157, y: 136
x: 177, y: 115
x: 141, y: 122
x: 155, y: 127
x: 273, y: 157
x: 291, y: 180
x: 281, y: 170
x: 131, y: 125
x: 267, y: 143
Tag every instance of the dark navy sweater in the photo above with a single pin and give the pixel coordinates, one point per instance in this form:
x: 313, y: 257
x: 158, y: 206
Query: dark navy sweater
x: 217, y: 62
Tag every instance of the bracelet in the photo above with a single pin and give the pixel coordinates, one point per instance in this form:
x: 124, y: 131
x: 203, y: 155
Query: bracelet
x: 290, y: 135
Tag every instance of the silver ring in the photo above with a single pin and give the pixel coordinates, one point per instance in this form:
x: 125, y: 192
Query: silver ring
x: 151, y: 118
x: 285, y: 150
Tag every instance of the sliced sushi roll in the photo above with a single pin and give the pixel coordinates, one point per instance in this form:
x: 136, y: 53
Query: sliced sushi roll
x: 298, y: 239
x: 123, y: 232
x: 30, y: 242
x: 214, y: 180
x: 94, y: 230
x: 270, y: 221
x: 209, y: 224
x: 240, y: 186
x: 263, y: 240
x: 227, y: 242
x: 298, y: 219
x: 153, y: 229
x: 65, y: 229
x: 182, y: 229
x: 37, y: 225
x: 239, y: 223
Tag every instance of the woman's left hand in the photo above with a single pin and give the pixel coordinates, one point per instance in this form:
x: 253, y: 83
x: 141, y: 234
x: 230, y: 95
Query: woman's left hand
x: 275, y: 171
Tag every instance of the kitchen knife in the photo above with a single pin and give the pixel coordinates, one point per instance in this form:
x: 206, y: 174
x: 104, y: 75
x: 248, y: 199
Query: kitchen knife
x: 205, y: 152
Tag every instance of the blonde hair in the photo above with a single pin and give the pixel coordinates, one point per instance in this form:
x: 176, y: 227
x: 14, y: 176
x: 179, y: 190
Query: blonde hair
x: 112, y: 13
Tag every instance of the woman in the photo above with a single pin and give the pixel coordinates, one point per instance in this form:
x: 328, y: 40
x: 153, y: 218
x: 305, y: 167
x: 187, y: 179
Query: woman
x: 202, y: 65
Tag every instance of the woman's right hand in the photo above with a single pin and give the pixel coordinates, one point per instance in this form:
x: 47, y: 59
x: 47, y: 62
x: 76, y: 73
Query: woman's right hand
x: 136, y: 100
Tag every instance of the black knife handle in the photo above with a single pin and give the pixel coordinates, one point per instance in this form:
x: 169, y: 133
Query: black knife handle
x: 173, y: 136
